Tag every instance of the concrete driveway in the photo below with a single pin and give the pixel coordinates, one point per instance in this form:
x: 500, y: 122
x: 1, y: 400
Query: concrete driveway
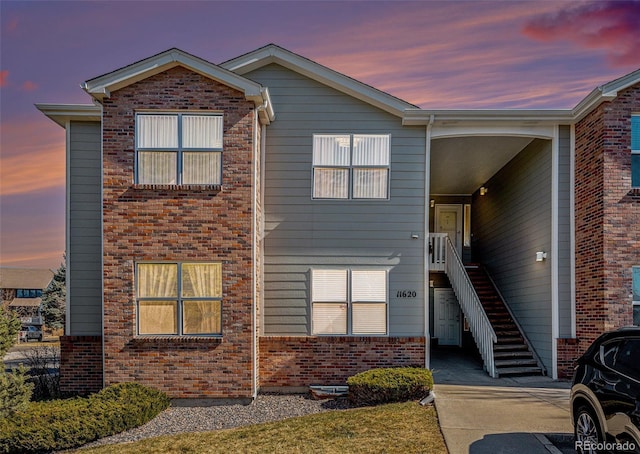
x: 479, y: 414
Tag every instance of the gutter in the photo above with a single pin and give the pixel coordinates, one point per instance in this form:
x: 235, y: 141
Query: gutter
x: 425, y: 254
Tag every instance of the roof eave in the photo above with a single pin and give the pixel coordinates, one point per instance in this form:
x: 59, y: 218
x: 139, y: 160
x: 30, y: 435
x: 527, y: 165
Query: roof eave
x: 63, y: 113
x: 416, y: 117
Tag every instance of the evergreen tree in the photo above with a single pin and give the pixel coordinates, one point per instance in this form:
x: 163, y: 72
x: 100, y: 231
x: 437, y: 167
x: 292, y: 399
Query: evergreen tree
x: 54, y: 298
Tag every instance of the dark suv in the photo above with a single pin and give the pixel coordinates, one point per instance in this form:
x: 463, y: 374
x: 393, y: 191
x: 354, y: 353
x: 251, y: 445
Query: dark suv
x: 605, y: 396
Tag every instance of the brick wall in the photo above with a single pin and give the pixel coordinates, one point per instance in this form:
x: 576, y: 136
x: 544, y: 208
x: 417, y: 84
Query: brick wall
x: 80, y: 364
x: 301, y: 361
x: 171, y: 223
x: 607, y: 219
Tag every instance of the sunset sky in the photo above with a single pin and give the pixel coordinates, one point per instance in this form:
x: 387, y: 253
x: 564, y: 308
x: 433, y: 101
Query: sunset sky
x: 436, y: 54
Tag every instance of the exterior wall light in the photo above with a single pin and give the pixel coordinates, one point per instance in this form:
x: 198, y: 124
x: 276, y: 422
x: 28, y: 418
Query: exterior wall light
x: 432, y: 203
x: 484, y: 190
x: 541, y: 256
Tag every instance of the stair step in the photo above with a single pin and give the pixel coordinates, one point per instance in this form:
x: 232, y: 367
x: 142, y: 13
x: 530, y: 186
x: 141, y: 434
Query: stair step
x: 523, y: 354
x: 510, y: 347
x: 511, y: 340
x: 519, y: 371
x: 515, y: 362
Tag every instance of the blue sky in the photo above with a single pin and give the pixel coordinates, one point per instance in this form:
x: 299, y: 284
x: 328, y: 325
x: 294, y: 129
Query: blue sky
x: 436, y: 54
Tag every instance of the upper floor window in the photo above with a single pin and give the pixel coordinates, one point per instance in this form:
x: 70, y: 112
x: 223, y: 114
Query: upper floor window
x: 179, y: 298
x: 635, y: 151
x: 635, y: 284
x: 179, y: 148
x: 349, y: 302
x: 351, y: 166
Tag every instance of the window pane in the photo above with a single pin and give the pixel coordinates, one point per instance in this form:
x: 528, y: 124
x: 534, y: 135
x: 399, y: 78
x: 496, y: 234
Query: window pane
x: 201, y: 131
x: 369, y: 285
x: 635, y: 170
x: 157, y: 131
x: 329, y: 285
x: 329, y: 318
x: 636, y: 314
x: 370, y: 183
x: 157, y: 280
x: 201, y: 280
x: 369, y: 318
x: 158, y: 317
x: 331, y: 183
x: 201, y: 168
x: 635, y: 133
x: 156, y: 167
x: 370, y: 150
x: 635, y: 283
x: 331, y: 150
x: 202, y: 317
x: 627, y: 359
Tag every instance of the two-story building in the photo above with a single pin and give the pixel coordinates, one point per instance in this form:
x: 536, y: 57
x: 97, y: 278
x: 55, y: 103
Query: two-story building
x: 270, y: 223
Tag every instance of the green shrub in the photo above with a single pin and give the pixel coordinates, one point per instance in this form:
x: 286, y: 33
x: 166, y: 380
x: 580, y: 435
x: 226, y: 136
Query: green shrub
x: 64, y: 424
x: 396, y: 384
x: 15, y: 391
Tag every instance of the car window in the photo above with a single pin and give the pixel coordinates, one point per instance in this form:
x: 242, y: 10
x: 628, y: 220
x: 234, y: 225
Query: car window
x: 628, y: 358
x: 608, y: 354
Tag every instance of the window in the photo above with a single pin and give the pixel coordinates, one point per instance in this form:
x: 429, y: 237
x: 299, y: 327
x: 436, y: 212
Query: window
x: 351, y: 166
x: 635, y: 283
x: 178, y: 149
x: 28, y: 293
x: 635, y: 151
x: 349, y: 302
x: 179, y: 298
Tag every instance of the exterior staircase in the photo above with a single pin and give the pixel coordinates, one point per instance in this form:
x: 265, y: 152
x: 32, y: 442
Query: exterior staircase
x: 512, y: 353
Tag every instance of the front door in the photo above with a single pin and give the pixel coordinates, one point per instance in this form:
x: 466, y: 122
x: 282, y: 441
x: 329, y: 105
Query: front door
x: 446, y: 314
x: 448, y: 220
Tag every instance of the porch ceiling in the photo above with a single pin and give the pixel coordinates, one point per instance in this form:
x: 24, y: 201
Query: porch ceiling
x: 460, y: 165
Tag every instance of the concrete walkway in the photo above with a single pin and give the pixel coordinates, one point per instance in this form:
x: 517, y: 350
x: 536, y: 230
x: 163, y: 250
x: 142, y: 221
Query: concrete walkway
x: 479, y: 414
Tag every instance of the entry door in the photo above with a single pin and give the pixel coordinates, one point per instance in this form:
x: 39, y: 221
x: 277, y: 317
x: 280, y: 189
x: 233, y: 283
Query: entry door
x: 446, y: 314
x: 448, y: 220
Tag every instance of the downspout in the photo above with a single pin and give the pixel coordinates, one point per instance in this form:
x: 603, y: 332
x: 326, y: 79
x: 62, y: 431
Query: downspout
x: 425, y: 254
x: 257, y: 148
x: 555, y: 311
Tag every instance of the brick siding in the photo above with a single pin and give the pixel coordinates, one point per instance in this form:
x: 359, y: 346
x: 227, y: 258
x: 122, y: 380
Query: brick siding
x: 607, y: 220
x: 168, y: 223
x: 291, y: 361
x: 80, y: 364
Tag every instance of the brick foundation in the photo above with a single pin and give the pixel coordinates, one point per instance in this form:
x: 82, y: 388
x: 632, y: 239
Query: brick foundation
x: 80, y: 364
x: 302, y: 361
x: 569, y: 350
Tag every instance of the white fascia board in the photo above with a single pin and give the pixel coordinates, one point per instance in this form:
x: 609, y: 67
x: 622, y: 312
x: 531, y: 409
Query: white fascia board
x: 301, y: 65
x: 63, y: 113
x: 99, y: 87
x: 414, y: 117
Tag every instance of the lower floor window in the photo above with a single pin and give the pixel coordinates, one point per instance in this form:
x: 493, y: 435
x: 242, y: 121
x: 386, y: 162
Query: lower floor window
x: 349, y: 302
x: 635, y: 271
x: 179, y: 298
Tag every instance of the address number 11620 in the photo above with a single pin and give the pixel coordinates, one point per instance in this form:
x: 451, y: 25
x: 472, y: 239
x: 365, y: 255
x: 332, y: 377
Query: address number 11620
x: 406, y: 294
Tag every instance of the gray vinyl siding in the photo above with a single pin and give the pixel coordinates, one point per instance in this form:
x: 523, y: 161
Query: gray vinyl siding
x: 564, y: 233
x: 302, y: 234
x: 84, y: 244
x: 510, y: 224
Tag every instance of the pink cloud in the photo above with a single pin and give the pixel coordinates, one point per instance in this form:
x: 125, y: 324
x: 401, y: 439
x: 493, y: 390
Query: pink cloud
x: 612, y: 26
x: 4, y: 78
x: 29, y: 86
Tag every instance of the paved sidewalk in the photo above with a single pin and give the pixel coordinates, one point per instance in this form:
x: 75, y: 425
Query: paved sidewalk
x: 479, y: 414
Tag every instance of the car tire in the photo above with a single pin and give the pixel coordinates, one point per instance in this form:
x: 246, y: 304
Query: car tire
x: 587, y: 429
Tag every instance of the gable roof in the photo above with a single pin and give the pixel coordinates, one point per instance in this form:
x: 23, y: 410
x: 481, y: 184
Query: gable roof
x: 272, y: 53
x: 25, y: 278
x: 100, y: 87
x: 605, y: 92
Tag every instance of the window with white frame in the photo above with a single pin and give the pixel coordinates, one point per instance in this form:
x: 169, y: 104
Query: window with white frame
x: 351, y: 166
x: 635, y: 278
x: 179, y: 298
x: 179, y: 148
x: 349, y: 302
x: 635, y: 151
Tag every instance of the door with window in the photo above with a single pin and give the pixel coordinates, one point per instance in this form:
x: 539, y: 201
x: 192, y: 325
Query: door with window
x: 446, y: 314
x: 448, y: 219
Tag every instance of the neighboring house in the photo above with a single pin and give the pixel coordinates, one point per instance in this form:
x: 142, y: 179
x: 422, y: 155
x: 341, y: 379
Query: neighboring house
x: 22, y: 291
x: 269, y: 223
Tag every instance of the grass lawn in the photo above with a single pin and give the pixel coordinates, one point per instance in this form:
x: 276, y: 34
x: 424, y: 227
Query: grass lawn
x: 403, y: 428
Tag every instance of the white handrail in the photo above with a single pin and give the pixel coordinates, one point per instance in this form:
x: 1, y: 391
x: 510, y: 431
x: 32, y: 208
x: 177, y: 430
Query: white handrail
x: 481, y: 329
x: 437, y: 251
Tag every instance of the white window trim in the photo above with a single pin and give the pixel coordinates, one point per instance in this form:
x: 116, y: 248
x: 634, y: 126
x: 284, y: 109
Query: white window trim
x: 349, y: 302
x: 180, y: 149
x: 179, y: 301
x: 635, y: 152
x: 350, y: 168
